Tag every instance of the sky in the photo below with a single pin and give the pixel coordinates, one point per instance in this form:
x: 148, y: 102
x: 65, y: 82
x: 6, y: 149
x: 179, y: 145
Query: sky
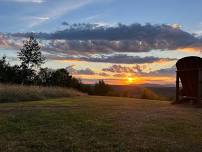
x: 108, y: 60
x: 46, y: 15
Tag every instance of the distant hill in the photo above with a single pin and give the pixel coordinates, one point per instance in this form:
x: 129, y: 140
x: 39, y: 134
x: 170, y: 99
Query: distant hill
x: 137, y: 90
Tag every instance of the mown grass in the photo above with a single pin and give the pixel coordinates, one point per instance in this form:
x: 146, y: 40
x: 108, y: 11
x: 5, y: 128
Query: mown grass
x: 99, y: 124
x: 14, y: 93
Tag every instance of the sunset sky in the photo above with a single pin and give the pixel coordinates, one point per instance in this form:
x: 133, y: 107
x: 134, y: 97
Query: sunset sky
x: 163, y: 31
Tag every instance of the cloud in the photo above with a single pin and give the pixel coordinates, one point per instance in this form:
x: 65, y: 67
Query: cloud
x: 117, y: 58
x: 126, y: 59
x: 163, y: 72
x: 34, y: 20
x: 74, y: 71
x: 7, y: 42
x: 92, y: 17
x: 191, y: 49
x: 28, y: 1
x: 123, y: 69
x: 86, y: 71
x: 121, y: 38
x: 57, y: 51
x: 40, y: 18
x: 177, y: 26
x: 103, y: 74
x: 120, y: 75
x: 120, y: 70
x: 62, y: 8
x: 136, y: 31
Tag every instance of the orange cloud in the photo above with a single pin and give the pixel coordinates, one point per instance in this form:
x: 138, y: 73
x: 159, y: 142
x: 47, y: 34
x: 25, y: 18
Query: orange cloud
x: 190, y: 49
x: 164, y: 61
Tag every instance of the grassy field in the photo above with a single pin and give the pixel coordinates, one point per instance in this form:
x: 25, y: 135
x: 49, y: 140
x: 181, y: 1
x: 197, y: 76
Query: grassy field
x: 99, y: 124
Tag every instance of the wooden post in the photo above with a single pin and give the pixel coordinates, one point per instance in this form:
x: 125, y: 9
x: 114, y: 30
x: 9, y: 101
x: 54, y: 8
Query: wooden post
x: 177, y: 87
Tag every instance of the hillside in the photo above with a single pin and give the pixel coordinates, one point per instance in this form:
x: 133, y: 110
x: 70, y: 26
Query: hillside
x: 99, y: 124
x: 137, y: 90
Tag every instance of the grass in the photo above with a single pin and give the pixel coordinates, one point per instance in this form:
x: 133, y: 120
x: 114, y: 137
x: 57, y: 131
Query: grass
x: 14, y: 93
x: 150, y: 94
x: 99, y: 124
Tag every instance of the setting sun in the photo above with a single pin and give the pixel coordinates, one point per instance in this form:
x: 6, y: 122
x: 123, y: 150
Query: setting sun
x: 134, y: 80
x: 130, y: 80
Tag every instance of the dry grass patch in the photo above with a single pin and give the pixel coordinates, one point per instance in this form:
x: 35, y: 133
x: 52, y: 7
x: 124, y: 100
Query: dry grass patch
x: 14, y: 93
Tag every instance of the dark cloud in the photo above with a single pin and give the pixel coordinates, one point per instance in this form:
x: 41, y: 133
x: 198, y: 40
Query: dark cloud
x: 82, y: 47
x: 122, y: 38
x: 125, y: 59
x: 74, y: 71
x: 164, y: 72
x: 118, y: 59
x: 123, y: 69
x: 86, y: 71
x: 65, y: 23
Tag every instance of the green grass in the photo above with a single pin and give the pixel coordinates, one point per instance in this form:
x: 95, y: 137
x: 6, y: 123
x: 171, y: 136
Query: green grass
x: 99, y: 124
x: 15, y: 93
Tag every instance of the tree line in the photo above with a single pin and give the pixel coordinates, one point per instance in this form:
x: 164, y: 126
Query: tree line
x: 30, y: 72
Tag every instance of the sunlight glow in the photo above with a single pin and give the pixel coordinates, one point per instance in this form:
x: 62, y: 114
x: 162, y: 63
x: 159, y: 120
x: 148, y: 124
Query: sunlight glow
x: 130, y: 80
x: 133, y: 80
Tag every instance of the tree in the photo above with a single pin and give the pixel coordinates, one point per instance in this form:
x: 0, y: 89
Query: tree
x: 8, y: 73
x: 3, y: 68
x: 76, y: 83
x: 31, y: 58
x: 30, y: 54
x: 44, y: 77
x: 101, y: 88
x: 61, y: 77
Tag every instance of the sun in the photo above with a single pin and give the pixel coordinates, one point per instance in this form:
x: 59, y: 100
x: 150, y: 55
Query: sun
x: 130, y: 80
x: 134, y: 80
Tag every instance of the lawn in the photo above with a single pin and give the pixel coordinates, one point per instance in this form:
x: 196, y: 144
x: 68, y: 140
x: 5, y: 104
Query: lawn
x: 99, y: 124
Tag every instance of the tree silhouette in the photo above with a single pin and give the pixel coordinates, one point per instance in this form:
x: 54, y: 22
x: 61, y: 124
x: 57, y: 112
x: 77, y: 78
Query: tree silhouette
x: 8, y: 73
x: 31, y: 58
x: 30, y: 54
x: 101, y: 88
x: 61, y: 77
